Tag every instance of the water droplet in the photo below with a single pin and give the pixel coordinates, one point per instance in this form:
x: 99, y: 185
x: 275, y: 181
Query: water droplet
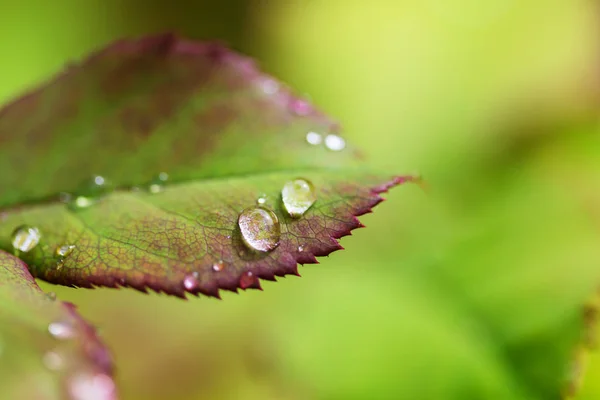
x: 87, y: 386
x: 249, y: 280
x: 300, y: 107
x: 335, y: 142
x: 218, y: 266
x: 157, y: 185
x: 301, y: 248
x: 260, y: 229
x: 61, y: 330
x: 89, y: 193
x: 25, y: 238
x: 269, y: 86
x: 262, y: 199
x: 64, y: 250
x: 51, y: 295
x: 314, y: 138
x: 190, y: 282
x: 298, y: 196
x: 53, y: 361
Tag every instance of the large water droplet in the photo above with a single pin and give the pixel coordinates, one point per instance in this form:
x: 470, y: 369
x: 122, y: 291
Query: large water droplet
x: 89, y: 193
x: 260, y: 229
x: 314, y: 138
x: 61, y: 330
x: 157, y: 185
x: 87, y: 386
x: 335, y: 142
x: 298, y: 196
x: 25, y: 238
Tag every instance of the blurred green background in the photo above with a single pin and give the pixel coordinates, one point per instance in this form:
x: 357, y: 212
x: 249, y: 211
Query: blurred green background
x: 471, y: 291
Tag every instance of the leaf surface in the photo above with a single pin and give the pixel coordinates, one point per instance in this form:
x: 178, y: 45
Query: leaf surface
x: 47, y: 350
x: 225, y: 133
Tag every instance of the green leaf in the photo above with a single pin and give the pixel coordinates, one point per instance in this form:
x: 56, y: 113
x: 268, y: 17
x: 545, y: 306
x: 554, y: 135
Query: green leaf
x: 226, y: 135
x: 47, y: 350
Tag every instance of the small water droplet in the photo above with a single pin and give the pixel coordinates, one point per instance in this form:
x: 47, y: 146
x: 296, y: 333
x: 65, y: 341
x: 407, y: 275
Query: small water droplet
x: 298, y: 196
x: 314, y: 138
x: 89, y: 193
x: 25, y: 238
x: 335, y: 142
x: 157, y: 185
x: 64, y: 250
x: 190, y: 282
x: 300, y: 107
x: 218, y: 266
x: 249, y: 280
x: 61, y: 330
x: 53, y: 361
x: 51, y: 295
x: 262, y: 199
x: 269, y: 86
x: 301, y: 248
x: 260, y: 229
x: 87, y: 386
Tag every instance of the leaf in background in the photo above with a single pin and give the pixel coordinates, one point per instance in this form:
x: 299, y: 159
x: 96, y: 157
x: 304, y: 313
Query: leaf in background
x: 46, y: 350
x: 229, y: 139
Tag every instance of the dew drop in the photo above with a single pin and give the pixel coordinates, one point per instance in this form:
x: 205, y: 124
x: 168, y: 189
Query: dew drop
x: 298, y: 196
x: 190, y: 282
x: 87, y: 386
x: 269, y: 86
x: 65, y: 250
x: 300, y: 107
x: 249, y: 280
x: 335, y: 142
x: 314, y: 138
x: 53, y: 361
x: 262, y: 199
x: 61, y: 330
x: 51, y: 295
x: 218, y: 266
x: 260, y: 229
x: 300, y: 248
x: 25, y: 238
x: 157, y: 185
x: 89, y: 193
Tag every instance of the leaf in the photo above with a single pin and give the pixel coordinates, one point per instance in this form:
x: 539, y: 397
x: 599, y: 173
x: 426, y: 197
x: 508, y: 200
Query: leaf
x: 225, y: 133
x: 47, y: 350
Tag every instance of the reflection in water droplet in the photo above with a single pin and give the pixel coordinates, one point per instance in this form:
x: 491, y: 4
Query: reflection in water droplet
x: 51, y: 295
x: 86, y: 386
x: 190, y: 282
x: 53, y: 361
x: 335, y: 142
x: 25, y: 238
x: 218, y: 266
x: 314, y: 138
x: 260, y: 229
x: 298, y: 196
x: 61, y: 330
x: 157, y: 185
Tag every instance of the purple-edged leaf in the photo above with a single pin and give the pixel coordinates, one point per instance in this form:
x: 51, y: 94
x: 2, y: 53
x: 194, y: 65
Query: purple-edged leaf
x: 46, y: 350
x: 226, y: 134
